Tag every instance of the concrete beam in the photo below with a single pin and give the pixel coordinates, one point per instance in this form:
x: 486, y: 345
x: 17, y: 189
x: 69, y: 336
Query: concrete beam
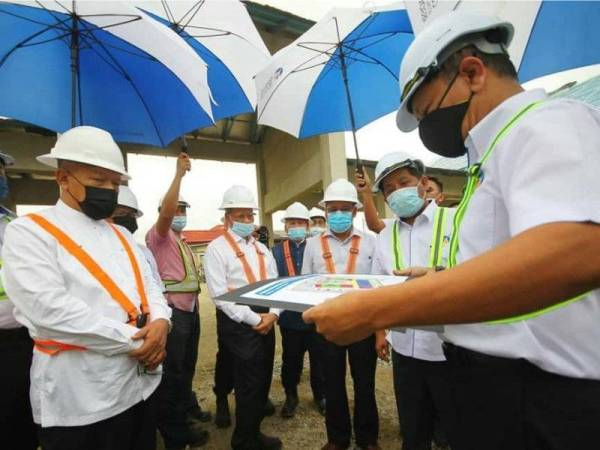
x: 28, y: 191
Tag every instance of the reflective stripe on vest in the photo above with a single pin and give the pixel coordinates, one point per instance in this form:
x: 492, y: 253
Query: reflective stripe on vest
x: 97, y: 272
x: 352, y: 257
x: 250, y: 277
x: 437, y: 241
x: 191, y: 281
x: 474, y: 178
x: 289, y: 262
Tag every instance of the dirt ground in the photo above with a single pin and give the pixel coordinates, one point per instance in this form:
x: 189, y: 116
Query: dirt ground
x: 307, y: 429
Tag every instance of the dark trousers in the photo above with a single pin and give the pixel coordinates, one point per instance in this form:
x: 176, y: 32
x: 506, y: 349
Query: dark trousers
x: 295, y: 344
x: 133, y: 429
x: 223, y: 367
x: 422, y: 393
x: 509, y: 404
x: 252, y: 372
x: 363, y: 361
x: 175, y: 390
x: 16, y: 422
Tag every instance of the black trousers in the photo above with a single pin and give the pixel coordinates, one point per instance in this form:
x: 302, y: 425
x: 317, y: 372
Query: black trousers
x: 422, y: 393
x: 363, y: 361
x: 223, y: 367
x: 295, y: 344
x: 16, y: 422
x: 133, y: 429
x: 175, y: 392
x: 508, y: 404
x: 252, y: 372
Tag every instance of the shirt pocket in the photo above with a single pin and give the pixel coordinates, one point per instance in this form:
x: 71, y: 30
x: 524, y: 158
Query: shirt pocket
x: 477, y: 230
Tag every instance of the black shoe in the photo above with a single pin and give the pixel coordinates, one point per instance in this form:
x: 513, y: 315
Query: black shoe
x: 269, y: 408
x: 269, y: 442
x: 198, y: 415
x: 321, y: 406
x: 195, y: 436
x: 289, y: 407
x: 222, y: 417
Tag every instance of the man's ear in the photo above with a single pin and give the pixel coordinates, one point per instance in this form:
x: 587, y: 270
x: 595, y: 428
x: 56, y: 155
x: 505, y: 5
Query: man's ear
x: 62, y: 178
x: 475, y: 72
x: 354, y: 211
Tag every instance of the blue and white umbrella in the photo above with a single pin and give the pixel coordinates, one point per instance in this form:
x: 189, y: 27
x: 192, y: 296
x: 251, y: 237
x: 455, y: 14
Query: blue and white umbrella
x: 222, y: 33
x: 338, y: 76
x: 550, y: 36
x: 100, y: 63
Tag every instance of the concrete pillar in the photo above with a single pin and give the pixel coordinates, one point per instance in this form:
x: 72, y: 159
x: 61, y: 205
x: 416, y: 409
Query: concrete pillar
x: 333, y: 157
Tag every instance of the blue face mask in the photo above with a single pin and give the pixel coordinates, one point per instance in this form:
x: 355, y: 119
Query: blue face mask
x: 405, y: 202
x: 339, y: 221
x: 3, y: 187
x: 179, y: 223
x: 297, y: 234
x: 242, y: 229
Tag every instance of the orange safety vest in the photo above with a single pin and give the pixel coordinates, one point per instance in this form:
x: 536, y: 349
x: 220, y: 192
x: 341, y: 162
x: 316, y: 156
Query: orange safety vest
x: 53, y: 347
x: 328, y: 256
x: 289, y: 262
x: 250, y: 277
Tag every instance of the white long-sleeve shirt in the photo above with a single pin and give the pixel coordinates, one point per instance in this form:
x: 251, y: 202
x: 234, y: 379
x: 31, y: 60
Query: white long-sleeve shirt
x: 224, y: 272
x: 56, y: 298
x: 415, y: 243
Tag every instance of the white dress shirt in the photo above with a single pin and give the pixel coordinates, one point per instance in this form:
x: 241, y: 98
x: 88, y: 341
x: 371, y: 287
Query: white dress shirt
x: 224, y: 272
x: 56, y: 298
x: 415, y: 241
x: 7, y: 318
x: 313, y: 254
x: 545, y: 170
x: 153, y: 266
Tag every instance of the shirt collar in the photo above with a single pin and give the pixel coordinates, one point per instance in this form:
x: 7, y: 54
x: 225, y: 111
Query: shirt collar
x: 73, y: 214
x: 481, y: 135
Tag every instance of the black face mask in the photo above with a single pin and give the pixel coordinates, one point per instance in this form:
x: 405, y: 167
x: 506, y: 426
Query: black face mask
x: 129, y: 222
x: 99, y: 203
x: 440, y: 130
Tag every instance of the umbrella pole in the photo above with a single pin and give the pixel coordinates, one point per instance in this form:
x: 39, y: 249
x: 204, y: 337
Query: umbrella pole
x: 74, y: 67
x: 359, y: 165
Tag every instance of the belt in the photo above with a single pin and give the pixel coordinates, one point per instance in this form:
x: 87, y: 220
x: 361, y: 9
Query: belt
x: 460, y: 356
x: 19, y: 334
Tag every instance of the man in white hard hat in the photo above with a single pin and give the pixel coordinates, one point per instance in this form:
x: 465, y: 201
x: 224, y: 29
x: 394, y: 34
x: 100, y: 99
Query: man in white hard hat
x: 343, y: 249
x: 526, y: 244
x: 179, y: 411
x: 234, y: 260
x: 296, y: 336
x: 126, y: 214
x: 98, y: 319
x: 418, y: 236
x: 318, y: 222
x: 15, y: 349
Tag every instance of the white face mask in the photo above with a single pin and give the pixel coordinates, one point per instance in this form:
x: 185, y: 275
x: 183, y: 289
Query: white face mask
x: 315, y: 231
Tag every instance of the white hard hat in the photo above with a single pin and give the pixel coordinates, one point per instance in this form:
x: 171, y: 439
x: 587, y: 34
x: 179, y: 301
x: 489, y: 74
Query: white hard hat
x: 238, y: 197
x: 127, y: 198
x: 317, y: 212
x: 341, y: 190
x: 296, y: 211
x: 86, y: 145
x: 7, y: 159
x: 391, y: 162
x: 441, y: 38
x: 180, y: 202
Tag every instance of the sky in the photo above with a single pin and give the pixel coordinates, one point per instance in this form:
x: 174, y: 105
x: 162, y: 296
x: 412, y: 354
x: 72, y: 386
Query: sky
x: 204, y: 186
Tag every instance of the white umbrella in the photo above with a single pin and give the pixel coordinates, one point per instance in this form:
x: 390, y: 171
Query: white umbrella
x: 222, y: 33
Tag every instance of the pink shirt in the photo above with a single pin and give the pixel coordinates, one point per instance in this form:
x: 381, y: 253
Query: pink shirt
x: 170, y: 265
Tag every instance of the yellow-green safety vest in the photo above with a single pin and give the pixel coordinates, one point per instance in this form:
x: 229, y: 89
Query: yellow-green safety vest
x: 191, y: 281
x: 473, y: 180
x: 437, y: 241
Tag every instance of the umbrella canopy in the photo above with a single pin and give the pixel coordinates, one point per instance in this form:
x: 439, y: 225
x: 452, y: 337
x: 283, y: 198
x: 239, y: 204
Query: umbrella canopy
x: 222, y: 33
x: 550, y: 36
x: 100, y: 63
x: 338, y: 76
